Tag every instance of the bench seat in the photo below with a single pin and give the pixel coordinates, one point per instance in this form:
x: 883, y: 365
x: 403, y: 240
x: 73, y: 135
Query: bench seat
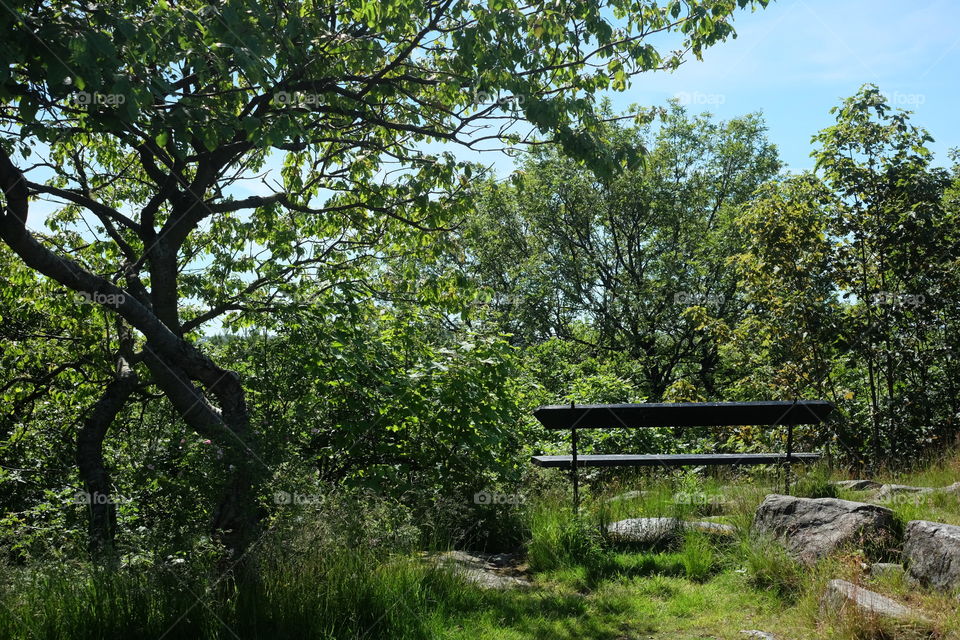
x: 675, y: 460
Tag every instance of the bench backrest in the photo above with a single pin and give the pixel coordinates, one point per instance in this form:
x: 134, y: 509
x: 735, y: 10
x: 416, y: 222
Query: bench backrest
x: 683, y: 414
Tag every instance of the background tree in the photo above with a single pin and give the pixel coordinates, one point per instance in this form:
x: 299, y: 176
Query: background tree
x: 634, y: 264
x: 894, y: 244
x: 847, y: 273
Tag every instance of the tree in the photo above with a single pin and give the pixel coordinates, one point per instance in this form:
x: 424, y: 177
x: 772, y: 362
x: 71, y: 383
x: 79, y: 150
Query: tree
x: 151, y: 117
x: 784, y: 344
x: 634, y: 264
x: 850, y: 273
x: 894, y: 245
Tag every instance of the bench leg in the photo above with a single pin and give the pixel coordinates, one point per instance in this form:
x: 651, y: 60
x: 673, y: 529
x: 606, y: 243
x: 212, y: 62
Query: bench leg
x: 789, y: 453
x: 575, y: 472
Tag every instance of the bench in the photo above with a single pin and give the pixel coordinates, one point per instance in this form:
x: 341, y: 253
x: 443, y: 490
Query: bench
x: 685, y: 414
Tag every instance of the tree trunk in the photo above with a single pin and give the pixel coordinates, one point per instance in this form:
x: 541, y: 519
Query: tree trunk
x: 101, y: 506
x: 235, y: 521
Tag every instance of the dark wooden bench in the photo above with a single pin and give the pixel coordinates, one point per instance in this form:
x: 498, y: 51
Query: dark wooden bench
x: 686, y: 414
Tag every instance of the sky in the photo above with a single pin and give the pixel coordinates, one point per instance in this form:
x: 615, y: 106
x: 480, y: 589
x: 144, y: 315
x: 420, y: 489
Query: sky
x: 796, y: 59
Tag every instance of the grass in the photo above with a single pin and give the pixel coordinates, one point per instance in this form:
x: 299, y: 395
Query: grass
x: 585, y: 587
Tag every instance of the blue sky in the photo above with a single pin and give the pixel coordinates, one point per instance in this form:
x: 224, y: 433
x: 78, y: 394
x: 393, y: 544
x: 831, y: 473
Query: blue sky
x: 796, y: 59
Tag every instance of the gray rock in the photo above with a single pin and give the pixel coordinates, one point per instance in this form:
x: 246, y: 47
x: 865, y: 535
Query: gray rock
x: 931, y: 553
x: 646, y: 530
x: 763, y: 635
x: 655, y: 531
x: 952, y: 489
x: 628, y: 495
x: 888, y: 492
x: 885, y: 568
x: 841, y: 596
x: 812, y: 528
x: 857, y: 485
x: 478, y: 570
x: 502, y: 560
x: 714, y: 528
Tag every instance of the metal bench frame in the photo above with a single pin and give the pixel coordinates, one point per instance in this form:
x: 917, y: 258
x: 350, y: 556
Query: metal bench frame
x: 686, y: 414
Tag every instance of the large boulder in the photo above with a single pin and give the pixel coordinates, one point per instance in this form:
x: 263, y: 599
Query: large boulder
x: 812, y: 528
x: 931, y: 552
x: 842, y: 597
x: 661, y: 531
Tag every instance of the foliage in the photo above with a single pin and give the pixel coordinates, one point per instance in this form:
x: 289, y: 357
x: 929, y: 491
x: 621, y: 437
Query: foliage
x: 631, y: 266
x: 847, y: 273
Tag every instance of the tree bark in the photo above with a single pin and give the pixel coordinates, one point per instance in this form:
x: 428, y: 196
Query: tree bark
x: 234, y: 522
x: 101, y: 506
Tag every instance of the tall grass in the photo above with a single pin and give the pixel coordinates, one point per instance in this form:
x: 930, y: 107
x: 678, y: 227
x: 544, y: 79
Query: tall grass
x: 329, y: 594
x: 558, y: 538
x: 697, y: 555
x: 770, y: 568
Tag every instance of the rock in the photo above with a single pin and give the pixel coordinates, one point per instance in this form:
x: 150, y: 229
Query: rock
x: 646, y: 530
x: 654, y: 531
x: 841, y: 595
x: 479, y: 570
x: 888, y: 492
x: 629, y: 495
x: 812, y: 528
x: 856, y: 485
x: 885, y: 569
x: 763, y: 635
x: 952, y: 489
x: 715, y: 528
x: 931, y: 553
